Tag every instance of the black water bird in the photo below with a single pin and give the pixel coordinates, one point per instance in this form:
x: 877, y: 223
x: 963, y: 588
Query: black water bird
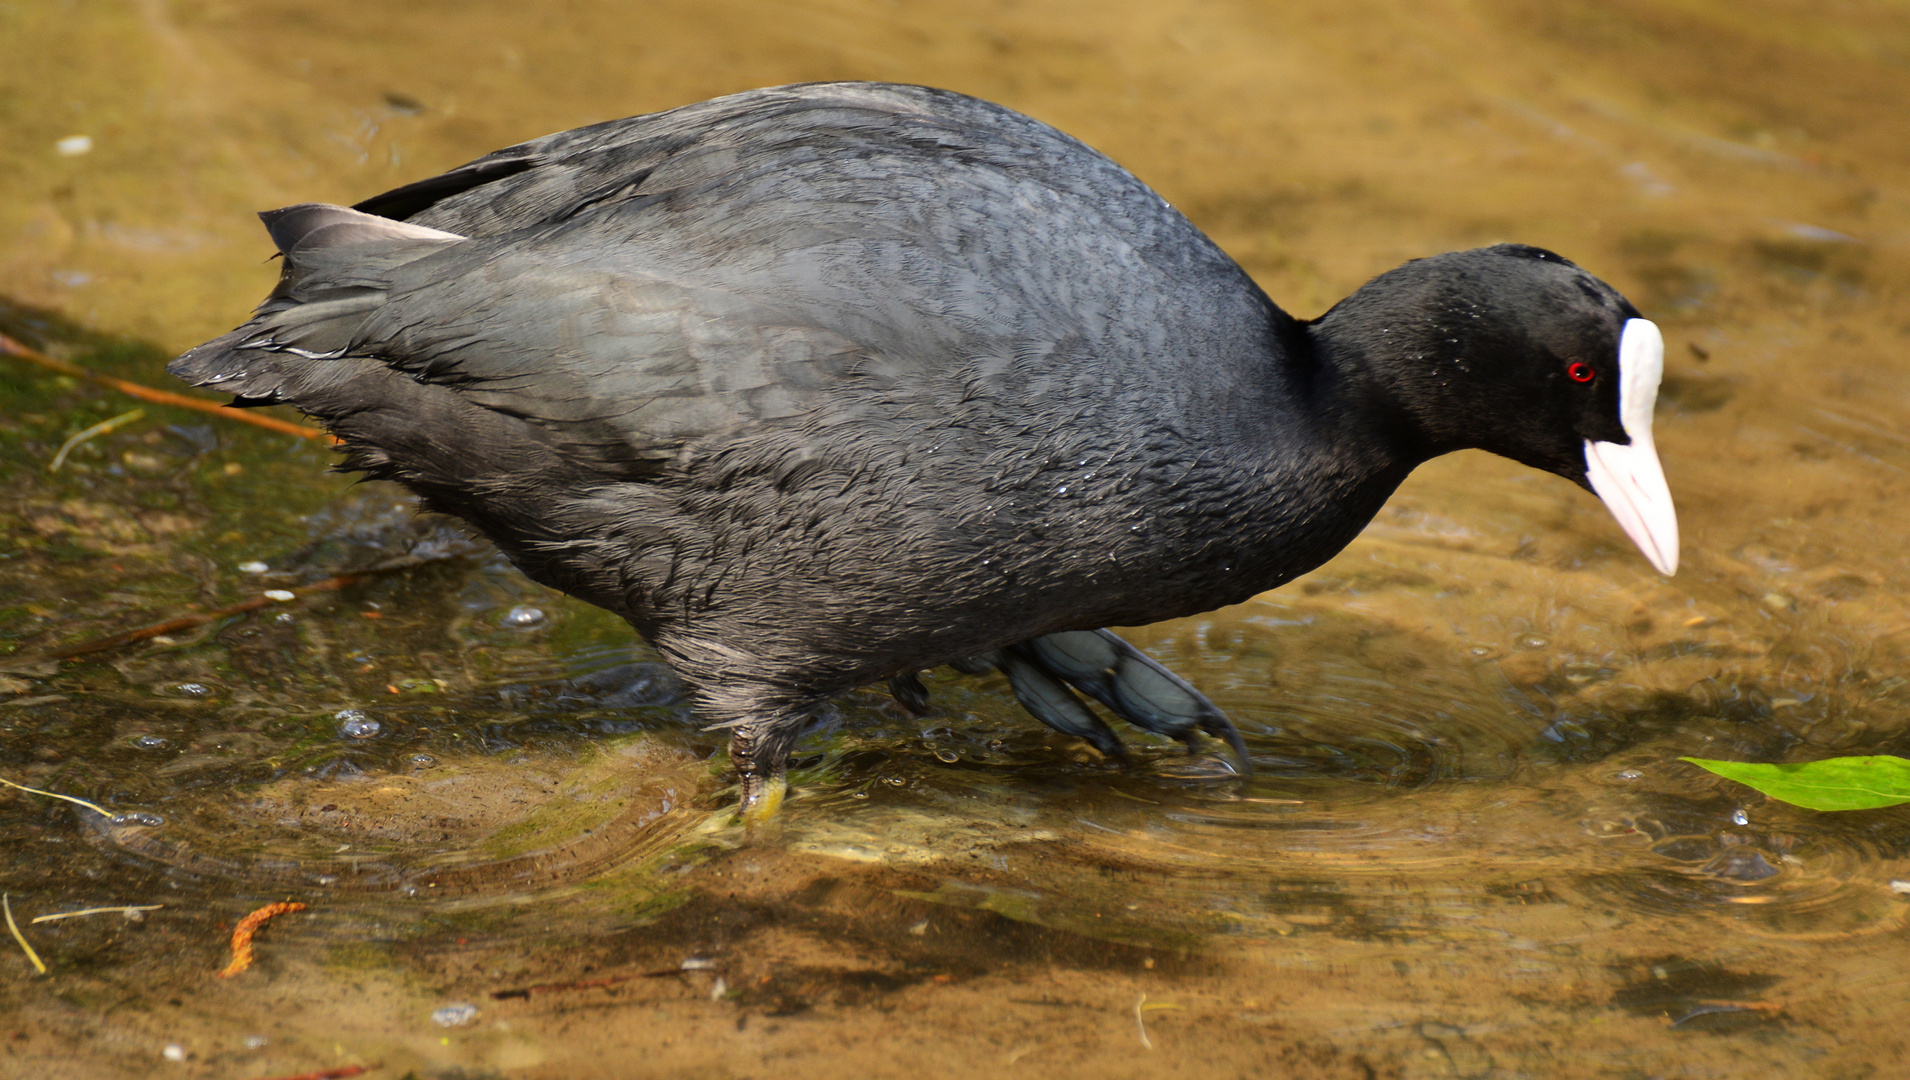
x: 823, y: 385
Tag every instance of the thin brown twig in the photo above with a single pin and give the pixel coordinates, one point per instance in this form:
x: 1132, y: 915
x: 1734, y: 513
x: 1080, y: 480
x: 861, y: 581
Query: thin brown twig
x: 200, y: 618
x: 333, y: 1074
x: 582, y: 984
x: 1703, y: 1007
x: 163, y: 397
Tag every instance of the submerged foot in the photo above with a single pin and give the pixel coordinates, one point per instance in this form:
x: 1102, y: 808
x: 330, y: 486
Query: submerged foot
x: 759, y: 749
x: 762, y: 799
x: 1136, y: 687
x: 1133, y: 686
x: 1044, y: 673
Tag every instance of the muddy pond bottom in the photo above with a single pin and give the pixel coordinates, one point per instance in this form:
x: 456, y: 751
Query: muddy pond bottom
x: 536, y: 875
x: 1468, y: 848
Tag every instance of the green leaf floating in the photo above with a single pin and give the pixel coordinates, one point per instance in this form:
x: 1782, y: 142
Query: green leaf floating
x: 1845, y: 783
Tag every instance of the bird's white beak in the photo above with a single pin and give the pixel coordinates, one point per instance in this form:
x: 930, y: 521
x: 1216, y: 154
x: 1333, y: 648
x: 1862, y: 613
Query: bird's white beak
x: 1628, y: 477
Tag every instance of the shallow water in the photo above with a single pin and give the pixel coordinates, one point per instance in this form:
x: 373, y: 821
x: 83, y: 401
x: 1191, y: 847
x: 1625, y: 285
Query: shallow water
x: 1470, y: 849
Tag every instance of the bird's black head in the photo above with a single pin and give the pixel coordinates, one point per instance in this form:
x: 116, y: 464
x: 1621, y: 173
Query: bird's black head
x: 1515, y: 350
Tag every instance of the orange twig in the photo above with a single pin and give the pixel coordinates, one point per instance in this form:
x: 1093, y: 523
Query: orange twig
x: 242, y: 936
x: 163, y: 397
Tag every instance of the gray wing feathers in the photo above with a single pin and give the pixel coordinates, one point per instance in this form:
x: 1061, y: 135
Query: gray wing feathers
x: 773, y: 257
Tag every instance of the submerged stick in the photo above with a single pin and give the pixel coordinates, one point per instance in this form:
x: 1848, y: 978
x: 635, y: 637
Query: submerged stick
x: 94, y: 807
x: 1141, y: 1009
x: 586, y: 984
x: 6, y: 902
x: 331, y: 1074
x: 163, y: 397
x: 200, y: 618
x: 96, y: 430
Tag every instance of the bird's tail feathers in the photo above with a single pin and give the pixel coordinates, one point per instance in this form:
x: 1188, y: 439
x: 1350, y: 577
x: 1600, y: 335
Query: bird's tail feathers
x: 338, y: 269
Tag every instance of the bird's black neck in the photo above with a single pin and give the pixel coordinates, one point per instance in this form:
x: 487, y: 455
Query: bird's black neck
x: 1356, y: 351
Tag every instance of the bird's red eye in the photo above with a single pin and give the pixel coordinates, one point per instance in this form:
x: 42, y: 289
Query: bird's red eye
x: 1581, y: 372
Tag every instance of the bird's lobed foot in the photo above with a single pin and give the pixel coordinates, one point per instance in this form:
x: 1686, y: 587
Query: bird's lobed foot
x: 762, y: 799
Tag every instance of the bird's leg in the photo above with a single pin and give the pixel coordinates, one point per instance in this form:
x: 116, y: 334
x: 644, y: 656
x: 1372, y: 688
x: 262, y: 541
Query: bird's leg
x: 759, y: 750
x: 907, y: 688
x: 1134, y: 686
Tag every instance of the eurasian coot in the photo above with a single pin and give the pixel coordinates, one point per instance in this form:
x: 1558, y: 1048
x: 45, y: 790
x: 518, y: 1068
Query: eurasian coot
x: 822, y: 385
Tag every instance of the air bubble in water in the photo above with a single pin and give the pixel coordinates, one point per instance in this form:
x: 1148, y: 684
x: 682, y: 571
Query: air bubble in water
x: 354, y: 724
x: 524, y: 616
